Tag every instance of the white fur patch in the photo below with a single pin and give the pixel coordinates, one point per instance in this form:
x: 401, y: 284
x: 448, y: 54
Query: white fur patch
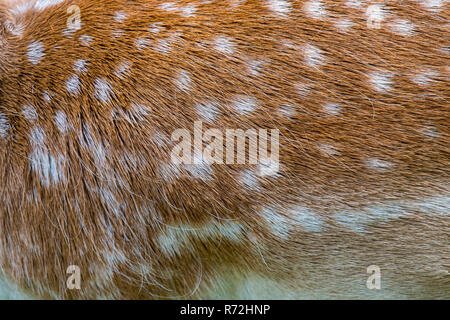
x: 268, y: 168
x: 123, y: 69
x: 61, y: 122
x: 359, y: 220
x: 344, y: 24
x: 280, y: 7
x: 244, y: 104
x: 120, y: 16
x: 73, y: 85
x: 4, y: 126
x: 183, y: 80
x: 306, y: 219
x: 424, y: 77
x: 29, y: 112
x: 35, y: 52
x: 224, y: 45
x: 313, y: 56
x: 332, y: 108
x: 102, y: 90
x: 315, y: 9
x: 432, y: 5
x: 16, y: 29
x: 287, y: 111
x: 86, y: 40
x: 381, y: 81
x: 208, y: 111
x: 250, y: 180
x: 80, y: 65
x: 36, y: 5
x: 44, y: 4
x: 378, y: 164
x: 200, y: 168
x: 283, y: 223
x: 402, y: 27
x: 50, y: 169
x: 176, y: 238
x: 47, y: 96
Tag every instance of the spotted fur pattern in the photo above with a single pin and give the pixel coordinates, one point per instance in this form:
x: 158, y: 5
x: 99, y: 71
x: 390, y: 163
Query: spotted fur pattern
x: 86, y: 118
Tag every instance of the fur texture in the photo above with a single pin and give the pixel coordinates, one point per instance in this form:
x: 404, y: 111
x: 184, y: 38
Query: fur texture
x: 86, y: 118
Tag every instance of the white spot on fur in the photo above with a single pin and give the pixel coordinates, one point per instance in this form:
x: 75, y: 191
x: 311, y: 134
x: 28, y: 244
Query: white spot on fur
x: 344, y: 24
x: 120, y: 16
x: 359, y: 220
x: 378, y: 164
x: 328, y: 150
x: 16, y: 29
x: 36, y: 5
x: 315, y: 9
x: 123, y: 69
x: 280, y: 7
x: 287, y: 111
x: 249, y: 179
x: 432, y: 5
x: 284, y: 222
x: 86, y: 40
x: 268, y: 167
x: 431, y: 132
x: 306, y: 219
x: 200, y: 168
x: 49, y: 169
x: 73, y: 85
x: 47, y: 96
x: 94, y: 145
x: 424, y: 77
x: 332, y: 108
x: 313, y: 56
x: 224, y: 45
x: 302, y: 89
x: 61, y: 121
x: 141, y: 43
x: 168, y: 6
x: 236, y: 3
x: 165, y: 45
x: 381, y: 81
x: 102, y: 90
x: 402, y: 27
x: 439, y: 204
x: 279, y: 224
x: 177, y: 238
x: 155, y: 27
x: 44, y: 4
x: 4, y: 126
x: 35, y: 52
x: 208, y: 111
x: 354, y: 4
x: 29, y: 112
x: 188, y: 11
x: 169, y: 171
x: 244, y: 104
x: 183, y: 81
x: 80, y: 65
x: 255, y: 67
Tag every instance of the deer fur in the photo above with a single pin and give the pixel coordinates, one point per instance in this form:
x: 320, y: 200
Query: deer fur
x: 87, y: 115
